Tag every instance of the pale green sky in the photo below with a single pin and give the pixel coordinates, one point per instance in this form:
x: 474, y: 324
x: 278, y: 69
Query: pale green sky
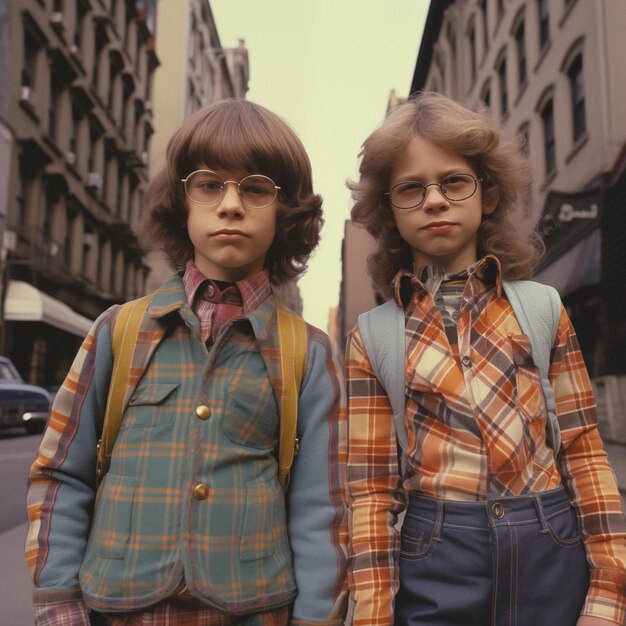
x: 327, y: 67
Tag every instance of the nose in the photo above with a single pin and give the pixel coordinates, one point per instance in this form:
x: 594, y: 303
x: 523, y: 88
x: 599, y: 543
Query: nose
x: 434, y: 200
x: 230, y: 204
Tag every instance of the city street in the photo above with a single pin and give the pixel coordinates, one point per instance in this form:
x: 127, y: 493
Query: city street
x: 17, y: 452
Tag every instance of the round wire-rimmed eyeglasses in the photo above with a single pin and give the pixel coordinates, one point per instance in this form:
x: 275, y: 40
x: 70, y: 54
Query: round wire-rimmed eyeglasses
x: 409, y: 194
x: 207, y: 187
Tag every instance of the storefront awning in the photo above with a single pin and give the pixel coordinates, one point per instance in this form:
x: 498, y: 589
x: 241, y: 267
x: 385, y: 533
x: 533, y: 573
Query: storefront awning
x: 578, y: 267
x: 25, y: 303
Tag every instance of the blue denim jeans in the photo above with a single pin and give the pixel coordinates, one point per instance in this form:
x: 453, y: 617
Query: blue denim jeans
x: 511, y: 561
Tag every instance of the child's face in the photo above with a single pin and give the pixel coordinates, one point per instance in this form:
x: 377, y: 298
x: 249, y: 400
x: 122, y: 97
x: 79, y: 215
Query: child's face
x: 438, y: 231
x: 230, y: 239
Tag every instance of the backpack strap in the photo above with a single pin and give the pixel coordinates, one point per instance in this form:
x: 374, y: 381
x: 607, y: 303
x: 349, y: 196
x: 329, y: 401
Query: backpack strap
x: 123, y: 341
x: 292, y: 338
x: 537, y: 308
x: 382, y: 331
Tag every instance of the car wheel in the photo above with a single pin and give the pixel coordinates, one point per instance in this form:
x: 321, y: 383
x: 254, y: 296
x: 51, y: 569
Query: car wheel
x: 35, y: 427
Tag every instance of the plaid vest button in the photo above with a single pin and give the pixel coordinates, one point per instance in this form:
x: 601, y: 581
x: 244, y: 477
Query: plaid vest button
x: 203, y: 412
x: 200, y: 491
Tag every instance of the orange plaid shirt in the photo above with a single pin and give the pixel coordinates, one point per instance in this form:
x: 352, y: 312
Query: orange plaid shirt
x: 477, y: 410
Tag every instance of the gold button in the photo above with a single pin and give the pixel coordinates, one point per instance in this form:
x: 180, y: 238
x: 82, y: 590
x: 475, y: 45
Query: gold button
x: 200, y: 491
x: 498, y: 510
x: 203, y: 412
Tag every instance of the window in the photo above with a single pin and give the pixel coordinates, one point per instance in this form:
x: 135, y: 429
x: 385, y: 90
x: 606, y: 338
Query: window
x: 88, y: 249
x: 31, y: 52
x: 486, y: 94
x: 577, y: 91
x: 69, y: 231
x: 21, y: 196
x: 504, y: 96
x: 521, y: 53
x: 53, y: 105
x: 81, y: 12
x: 471, y: 40
x: 483, y: 8
x: 115, y: 70
x: 441, y: 66
x: 73, y: 134
x: 549, y: 146
x: 100, y: 42
x: 544, y: 23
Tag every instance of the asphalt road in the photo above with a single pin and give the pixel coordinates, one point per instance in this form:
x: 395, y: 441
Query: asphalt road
x: 17, y: 452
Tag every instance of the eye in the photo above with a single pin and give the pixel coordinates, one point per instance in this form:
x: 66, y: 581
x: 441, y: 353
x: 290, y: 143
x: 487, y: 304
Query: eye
x: 253, y: 189
x: 209, y: 185
x: 456, y: 179
x: 408, y: 187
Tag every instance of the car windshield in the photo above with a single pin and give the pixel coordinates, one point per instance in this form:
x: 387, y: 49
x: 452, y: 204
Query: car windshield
x: 6, y: 373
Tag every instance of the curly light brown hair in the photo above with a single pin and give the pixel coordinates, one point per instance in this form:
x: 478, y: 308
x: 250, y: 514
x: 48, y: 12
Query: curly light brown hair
x: 244, y: 136
x: 494, y: 154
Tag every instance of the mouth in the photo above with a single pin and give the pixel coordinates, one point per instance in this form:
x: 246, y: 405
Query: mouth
x: 229, y: 233
x: 438, y: 226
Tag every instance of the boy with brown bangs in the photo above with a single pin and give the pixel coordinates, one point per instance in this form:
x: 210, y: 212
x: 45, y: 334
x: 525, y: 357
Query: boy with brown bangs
x: 513, y: 514
x: 190, y: 524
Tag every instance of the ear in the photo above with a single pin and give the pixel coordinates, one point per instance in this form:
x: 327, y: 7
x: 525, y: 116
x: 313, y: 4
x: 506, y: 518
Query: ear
x: 490, y: 199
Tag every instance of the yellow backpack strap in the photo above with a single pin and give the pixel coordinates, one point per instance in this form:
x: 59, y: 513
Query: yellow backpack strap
x: 292, y: 337
x: 123, y: 341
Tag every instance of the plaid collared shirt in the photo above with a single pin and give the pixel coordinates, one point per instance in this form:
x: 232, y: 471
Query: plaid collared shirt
x: 478, y: 412
x: 61, y: 500
x: 214, y: 307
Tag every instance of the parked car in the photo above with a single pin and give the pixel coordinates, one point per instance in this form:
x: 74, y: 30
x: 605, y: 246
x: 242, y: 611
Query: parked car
x: 21, y: 404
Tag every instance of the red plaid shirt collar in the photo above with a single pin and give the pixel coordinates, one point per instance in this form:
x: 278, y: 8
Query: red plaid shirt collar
x: 487, y: 269
x: 248, y: 293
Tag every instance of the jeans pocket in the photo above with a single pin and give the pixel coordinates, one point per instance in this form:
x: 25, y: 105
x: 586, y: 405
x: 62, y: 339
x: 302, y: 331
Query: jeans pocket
x: 416, y: 539
x: 563, y: 528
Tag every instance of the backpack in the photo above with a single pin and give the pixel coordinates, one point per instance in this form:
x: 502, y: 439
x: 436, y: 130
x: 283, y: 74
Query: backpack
x: 537, y: 308
x: 292, y: 337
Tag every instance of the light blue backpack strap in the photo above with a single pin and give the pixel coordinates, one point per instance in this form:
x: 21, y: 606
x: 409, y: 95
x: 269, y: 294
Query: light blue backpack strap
x: 382, y: 331
x: 537, y: 308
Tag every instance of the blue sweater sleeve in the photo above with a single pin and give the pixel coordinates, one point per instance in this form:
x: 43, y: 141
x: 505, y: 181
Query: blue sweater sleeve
x: 62, y: 478
x: 317, y: 507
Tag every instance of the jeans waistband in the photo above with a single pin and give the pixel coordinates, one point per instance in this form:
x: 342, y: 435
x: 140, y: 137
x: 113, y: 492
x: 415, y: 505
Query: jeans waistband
x: 493, y: 511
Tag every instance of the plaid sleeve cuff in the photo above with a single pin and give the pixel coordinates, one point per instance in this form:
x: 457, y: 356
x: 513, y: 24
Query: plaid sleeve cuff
x: 332, y: 622
x: 606, y: 598
x: 64, y: 614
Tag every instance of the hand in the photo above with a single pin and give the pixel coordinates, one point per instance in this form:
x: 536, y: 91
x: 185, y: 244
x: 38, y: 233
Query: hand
x: 588, y: 620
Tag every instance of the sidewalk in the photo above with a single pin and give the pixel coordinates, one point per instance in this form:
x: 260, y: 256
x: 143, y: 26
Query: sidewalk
x: 15, y: 587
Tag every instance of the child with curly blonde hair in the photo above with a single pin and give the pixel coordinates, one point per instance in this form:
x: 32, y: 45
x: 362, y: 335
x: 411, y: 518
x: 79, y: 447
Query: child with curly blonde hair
x: 502, y: 525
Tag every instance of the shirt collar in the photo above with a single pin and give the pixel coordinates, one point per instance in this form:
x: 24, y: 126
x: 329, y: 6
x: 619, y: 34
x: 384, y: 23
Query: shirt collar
x: 405, y: 283
x: 250, y: 291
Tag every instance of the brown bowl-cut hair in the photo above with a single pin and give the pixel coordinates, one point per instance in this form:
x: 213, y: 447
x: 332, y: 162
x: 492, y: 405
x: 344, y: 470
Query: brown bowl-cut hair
x: 494, y: 154
x: 241, y: 136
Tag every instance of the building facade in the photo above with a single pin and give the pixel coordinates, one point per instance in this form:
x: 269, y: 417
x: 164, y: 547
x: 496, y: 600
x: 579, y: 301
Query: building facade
x: 77, y: 123
x: 195, y: 71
